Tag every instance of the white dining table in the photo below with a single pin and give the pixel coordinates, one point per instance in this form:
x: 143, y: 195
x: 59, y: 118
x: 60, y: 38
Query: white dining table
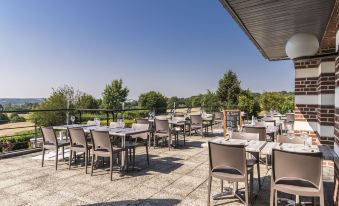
x: 120, y: 132
x: 250, y: 145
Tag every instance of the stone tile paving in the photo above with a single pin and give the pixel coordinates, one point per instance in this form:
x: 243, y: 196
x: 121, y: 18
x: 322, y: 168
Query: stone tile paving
x: 176, y: 177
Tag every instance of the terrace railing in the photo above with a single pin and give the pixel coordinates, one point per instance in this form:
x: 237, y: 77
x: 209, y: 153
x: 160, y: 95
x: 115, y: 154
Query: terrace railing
x: 27, y: 136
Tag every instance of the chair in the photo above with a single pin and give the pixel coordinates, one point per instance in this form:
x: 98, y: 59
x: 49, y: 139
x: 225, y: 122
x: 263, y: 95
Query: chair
x: 255, y: 137
x: 79, y: 143
x: 143, y: 136
x: 103, y: 147
x: 142, y: 121
x: 51, y: 142
x: 162, y: 130
x: 285, y: 139
x: 260, y: 130
x: 229, y: 163
x: 180, y: 127
x: 296, y: 173
x: 196, y: 123
x: 290, y: 117
x: 218, y: 117
x: 270, y: 123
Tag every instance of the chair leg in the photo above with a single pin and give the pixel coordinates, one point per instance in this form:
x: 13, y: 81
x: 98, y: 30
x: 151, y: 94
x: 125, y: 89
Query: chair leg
x: 322, y: 199
x: 86, y: 159
x: 209, y: 190
x: 111, y: 166
x: 93, y: 156
x: 75, y: 157
x: 258, y: 171
x: 56, y: 158
x: 246, y: 194
x: 276, y: 198
x: 221, y: 185
x: 63, y: 153
x: 43, y: 156
x: 70, y: 159
x: 272, y: 197
x: 147, y: 155
x: 133, y: 158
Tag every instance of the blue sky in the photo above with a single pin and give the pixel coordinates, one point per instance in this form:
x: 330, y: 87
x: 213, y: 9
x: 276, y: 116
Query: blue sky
x: 180, y: 48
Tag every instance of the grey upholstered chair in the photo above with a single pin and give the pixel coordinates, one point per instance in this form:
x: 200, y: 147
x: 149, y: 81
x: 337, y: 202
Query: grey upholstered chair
x: 285, y: 139
x: 260, y: 130
x: 51, y: 142
x: 298, y: 174
x: 103, y: 147
x: 133, y: 143
x: 162, y: 131
x: 229, y: 163
x: 78, y: 143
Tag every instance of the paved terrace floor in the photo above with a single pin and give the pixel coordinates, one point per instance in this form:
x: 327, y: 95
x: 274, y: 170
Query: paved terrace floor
x: 176, y: 177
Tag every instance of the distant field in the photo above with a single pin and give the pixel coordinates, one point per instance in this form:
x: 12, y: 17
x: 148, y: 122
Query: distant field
x: 7, y: 132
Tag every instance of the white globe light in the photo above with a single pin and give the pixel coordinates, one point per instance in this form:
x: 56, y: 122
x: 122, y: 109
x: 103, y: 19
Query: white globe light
x: 302, y: 44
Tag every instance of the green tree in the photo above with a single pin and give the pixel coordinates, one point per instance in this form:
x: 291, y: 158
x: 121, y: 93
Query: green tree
x: 57, y: 100
x: 3, y: 118
x: 86, y: 101
x: 210, y: 101
x: 153, y: 99
x: 279, y: 101
x: 249, y: 102
x: 14, y: 117
x: 114, y: 94
x: 229, y: 88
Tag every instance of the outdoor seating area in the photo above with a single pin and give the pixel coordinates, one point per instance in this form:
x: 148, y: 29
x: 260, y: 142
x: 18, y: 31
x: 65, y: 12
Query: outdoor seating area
x: 208, y: 169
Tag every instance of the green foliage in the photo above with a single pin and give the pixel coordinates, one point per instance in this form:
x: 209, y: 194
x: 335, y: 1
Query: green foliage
x: 3, y: 118
x: 210, y: 101
x: 86, y: 101
x: 229, y: 88
x: 114, y: 94
x: 58, y: 100
x: 279, y: 101
x: 132, y: 115
x: 249, y: 102
x: 19, y: 140
x: 14, y: 117
x: 153, y: 99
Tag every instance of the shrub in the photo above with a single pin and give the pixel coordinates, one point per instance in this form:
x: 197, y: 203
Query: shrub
x: 14, y: 117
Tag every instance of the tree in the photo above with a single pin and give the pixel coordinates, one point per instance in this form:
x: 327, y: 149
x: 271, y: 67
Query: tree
x: 14, y: 117
x: 153, y: 99
x: 3, y: 118
x: 249, y: 102
x: 86, y: 101
x: 57, y: 100
x: 210, y: 101
x: 114, y: 94
x: 229, y: 88
x: 279, y: 101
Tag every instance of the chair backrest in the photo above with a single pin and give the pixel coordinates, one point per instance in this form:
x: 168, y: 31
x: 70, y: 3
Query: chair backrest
x: 178, y: 118
x: 245, y: 136
x: 142, y: 121
x: 270, y: 123
x: 101, y: 140
x: 288, y: 165
x: 285, y: 139
x: 196, y: 119
x: 259, y: 130
x: 117, y: 125
x: 218, y: 116
x: 77, y: 136
x: 48, y: 136
x: 260, y: 124
x: 179, y: 114
x: 290, y: 117
x: 91, y: 122
x: 222, y: 155
x: 161, y: 125
x: 140, y: 126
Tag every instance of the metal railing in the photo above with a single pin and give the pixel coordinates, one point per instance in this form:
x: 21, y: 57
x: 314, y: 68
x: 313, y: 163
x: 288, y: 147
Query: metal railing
x: 28, y: 135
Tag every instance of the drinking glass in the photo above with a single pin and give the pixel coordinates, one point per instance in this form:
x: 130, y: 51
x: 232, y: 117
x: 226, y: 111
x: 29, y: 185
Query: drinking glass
x: 290, y: 134
x: 97, y: 121
x: 72, y: 119
x: 230, y: 132
x: 304, y: 135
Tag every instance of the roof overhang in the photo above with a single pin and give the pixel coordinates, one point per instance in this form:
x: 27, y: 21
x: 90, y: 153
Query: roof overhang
x: 270, y: 23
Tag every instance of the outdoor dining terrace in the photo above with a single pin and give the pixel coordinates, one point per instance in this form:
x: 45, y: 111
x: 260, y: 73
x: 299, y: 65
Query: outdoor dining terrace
x: 177, y: 173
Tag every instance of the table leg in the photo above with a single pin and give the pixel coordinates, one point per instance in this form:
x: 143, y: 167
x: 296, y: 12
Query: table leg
x: 123, y: 153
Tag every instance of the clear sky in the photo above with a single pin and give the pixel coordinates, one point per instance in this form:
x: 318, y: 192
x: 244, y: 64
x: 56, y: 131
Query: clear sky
x: 178, y: 47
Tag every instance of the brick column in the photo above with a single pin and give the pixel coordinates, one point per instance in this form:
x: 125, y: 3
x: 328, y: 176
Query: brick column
x: 314, y: 100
